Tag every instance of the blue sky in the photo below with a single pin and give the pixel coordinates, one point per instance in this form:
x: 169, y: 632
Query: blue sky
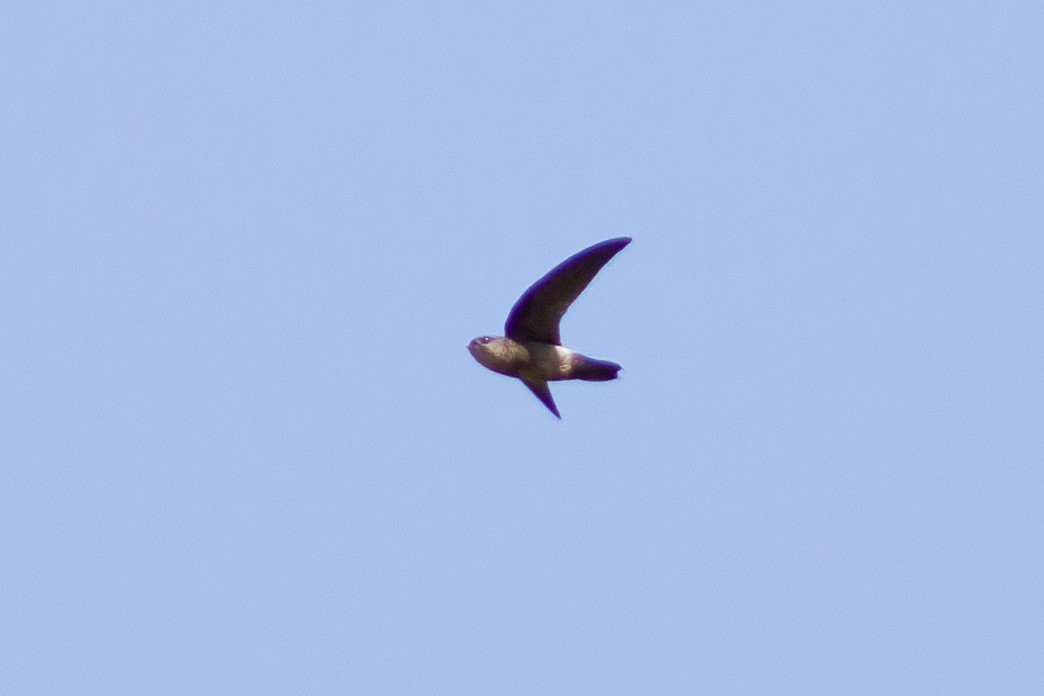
x: 243, y: 247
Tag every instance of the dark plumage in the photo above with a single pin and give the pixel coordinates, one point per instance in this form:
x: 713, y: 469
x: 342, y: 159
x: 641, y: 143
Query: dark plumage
x: 532, y: 348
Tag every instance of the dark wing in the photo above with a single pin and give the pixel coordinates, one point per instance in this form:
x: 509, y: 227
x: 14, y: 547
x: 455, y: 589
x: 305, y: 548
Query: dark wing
x: 543, y: 392
x: 536, y: 315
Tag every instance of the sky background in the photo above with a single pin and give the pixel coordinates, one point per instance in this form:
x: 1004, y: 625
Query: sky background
x: 243, y: 447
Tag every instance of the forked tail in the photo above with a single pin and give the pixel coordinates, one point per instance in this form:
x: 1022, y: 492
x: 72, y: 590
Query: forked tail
x: 591, y: 370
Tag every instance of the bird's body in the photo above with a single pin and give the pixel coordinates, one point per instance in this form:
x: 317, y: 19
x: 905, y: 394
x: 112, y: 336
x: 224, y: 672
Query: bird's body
x: 539, y: 361
x: 532, y: 350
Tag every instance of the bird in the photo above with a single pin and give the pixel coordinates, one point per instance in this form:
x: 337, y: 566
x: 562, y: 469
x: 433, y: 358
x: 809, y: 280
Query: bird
x: 531, y: 348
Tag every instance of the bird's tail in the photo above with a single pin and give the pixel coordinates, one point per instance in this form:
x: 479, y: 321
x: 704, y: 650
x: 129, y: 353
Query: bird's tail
x: 591, y: 370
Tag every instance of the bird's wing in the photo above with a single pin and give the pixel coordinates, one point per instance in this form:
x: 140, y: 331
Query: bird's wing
x: 536, y: 315
x: 543, y: 392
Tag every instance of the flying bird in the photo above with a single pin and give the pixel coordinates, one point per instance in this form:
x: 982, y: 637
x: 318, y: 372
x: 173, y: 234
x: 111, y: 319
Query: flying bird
x: 532, y: 349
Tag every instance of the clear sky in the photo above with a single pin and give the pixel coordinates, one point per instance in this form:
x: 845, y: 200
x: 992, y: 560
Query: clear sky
x: 243, y: 447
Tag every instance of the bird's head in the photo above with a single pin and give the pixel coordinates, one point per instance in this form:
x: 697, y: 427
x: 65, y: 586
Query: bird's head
x: 482, y: 346
x: 498, y: 353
